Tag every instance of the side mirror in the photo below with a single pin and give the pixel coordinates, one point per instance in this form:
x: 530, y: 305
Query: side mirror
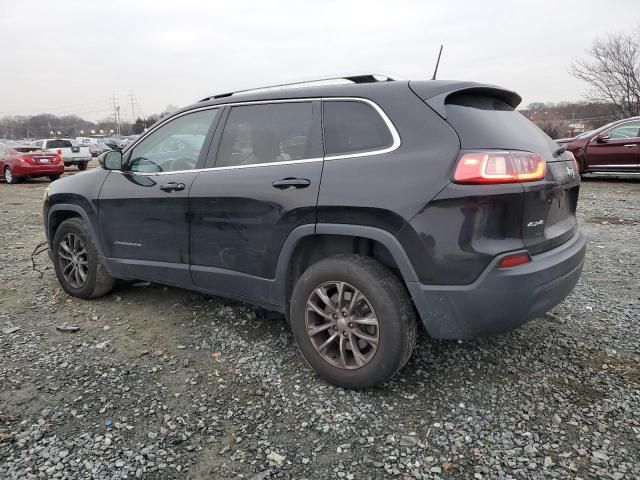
x: 603, y: 139
x: 111, y: 160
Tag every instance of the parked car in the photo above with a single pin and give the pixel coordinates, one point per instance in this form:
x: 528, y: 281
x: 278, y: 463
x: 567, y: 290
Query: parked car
x: 71, y: 154
x: 97, y: 148
x: 614, y: 148
x: 18, y: 162
x: 349, y: 208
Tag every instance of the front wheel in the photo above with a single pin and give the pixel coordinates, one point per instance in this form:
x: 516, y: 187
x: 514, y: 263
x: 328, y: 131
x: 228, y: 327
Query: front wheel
x: 353, y: 321
x: 77, y: 262
x: 82, y: 166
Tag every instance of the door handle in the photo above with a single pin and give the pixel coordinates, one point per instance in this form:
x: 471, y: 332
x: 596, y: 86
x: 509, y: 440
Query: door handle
x: 630, y: 145
x: 172, y: 187
x: 291, y: 183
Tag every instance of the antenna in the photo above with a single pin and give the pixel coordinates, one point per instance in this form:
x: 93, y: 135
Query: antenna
x: 435, y: 72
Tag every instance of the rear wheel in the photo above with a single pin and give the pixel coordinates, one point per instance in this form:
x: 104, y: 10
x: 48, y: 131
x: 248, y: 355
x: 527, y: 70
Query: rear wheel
x: 9, y: 177
x: 53, y: 178
x: 353, y: 321
x: 77, y: 262
x: 82, y: 166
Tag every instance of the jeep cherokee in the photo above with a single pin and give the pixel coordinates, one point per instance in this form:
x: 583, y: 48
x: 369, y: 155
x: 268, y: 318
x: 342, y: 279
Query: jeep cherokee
x: 356, y: 209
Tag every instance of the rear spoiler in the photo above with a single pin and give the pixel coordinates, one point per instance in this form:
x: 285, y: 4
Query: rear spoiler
x: 436, y: 92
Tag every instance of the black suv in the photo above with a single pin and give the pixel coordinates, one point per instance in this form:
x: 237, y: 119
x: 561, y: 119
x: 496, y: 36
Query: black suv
x: 355, y: 209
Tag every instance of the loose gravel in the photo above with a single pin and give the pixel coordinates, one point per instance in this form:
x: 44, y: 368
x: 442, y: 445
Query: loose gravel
x: 159, y: 383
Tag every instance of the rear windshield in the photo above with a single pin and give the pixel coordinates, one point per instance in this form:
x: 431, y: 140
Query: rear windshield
x: 27, y: 149
x: 486, y: 122
x: 59, y: 144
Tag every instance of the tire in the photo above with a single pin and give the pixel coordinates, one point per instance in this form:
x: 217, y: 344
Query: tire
x: 9, y: 177
x: 385, y: 299
x: 97, y: 281
x: 53, y: 178
x: 82, y: 166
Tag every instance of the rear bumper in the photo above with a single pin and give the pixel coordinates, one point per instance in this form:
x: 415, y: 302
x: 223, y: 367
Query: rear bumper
x: 37, y: 170
x: 501, y: 300
x: 71, y: 160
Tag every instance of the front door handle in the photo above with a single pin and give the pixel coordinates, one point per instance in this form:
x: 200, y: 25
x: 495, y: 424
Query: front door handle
x: 172, y: 187
x: 630, y: 145
x: 291, y: 183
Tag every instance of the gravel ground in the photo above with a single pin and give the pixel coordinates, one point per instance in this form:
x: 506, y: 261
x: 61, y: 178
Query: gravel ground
x: 161, y: 383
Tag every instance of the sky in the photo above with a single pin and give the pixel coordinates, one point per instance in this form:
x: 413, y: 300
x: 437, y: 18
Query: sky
x: 73, y: 57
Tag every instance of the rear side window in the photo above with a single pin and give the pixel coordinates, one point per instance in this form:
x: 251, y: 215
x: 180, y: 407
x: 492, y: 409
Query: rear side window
x: 274, y: 132
x: 59, y: 144
x: 353, y: 127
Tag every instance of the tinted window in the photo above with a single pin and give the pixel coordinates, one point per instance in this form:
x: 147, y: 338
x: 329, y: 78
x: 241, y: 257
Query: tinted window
x: 483, y: 121
x: 174, y: 146
x: 27, y: 149
x: 59, y: 144
x: 275, y: 132
x: 626, y: 130
x: 352, y: 127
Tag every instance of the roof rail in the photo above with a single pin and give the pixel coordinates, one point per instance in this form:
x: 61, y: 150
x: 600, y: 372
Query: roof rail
x: 357, y: 78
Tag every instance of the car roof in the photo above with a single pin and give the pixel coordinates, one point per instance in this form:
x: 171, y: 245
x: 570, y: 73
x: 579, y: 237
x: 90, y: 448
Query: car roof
x: 428, y: 89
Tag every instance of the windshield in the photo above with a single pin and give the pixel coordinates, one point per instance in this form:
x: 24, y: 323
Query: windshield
x: 585, y: 134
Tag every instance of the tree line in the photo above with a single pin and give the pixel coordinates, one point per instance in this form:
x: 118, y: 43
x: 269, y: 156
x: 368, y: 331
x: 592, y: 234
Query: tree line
x: 44, y: 125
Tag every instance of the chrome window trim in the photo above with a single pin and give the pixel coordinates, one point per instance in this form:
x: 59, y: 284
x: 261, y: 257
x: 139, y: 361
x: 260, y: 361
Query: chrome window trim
x: 230, y: 167
x: 628, y: 165
x: 392, y: 129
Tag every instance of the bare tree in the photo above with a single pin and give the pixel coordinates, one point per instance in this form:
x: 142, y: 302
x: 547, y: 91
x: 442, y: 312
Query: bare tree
x: 612, y: 71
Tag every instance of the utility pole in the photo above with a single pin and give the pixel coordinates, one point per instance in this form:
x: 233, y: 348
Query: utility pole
x: 116, y: 114
x: 133, y: 111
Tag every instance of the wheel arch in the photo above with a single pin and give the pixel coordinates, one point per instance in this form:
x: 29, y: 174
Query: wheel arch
x: 306, y: 245
x: 60, y: 212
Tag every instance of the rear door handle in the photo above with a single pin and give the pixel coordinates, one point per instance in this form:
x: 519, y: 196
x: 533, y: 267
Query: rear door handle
x: 172, y: 187
x: 291, y: 183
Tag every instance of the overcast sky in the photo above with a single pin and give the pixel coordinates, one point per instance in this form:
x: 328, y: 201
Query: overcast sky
x: 70, y: 56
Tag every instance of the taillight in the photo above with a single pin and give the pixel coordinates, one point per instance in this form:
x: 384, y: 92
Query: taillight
x: 499, y: 167
x: 514, y: 260
x: 59, y: 152
x: 27, y: 159
x: 57, y: 159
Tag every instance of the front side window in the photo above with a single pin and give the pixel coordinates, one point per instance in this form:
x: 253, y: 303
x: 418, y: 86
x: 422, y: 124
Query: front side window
x: 174, y: 146
x: 353, y: 127
x: 626, y: 130
x: 266, y: 133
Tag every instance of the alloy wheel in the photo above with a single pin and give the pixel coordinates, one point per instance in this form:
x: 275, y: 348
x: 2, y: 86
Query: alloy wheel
x: 342, y: 325
x: 74, y: 262
x: 8, y: 176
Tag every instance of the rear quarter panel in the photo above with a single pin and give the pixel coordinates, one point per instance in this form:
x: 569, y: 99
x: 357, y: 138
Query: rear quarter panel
x: 387, y: 190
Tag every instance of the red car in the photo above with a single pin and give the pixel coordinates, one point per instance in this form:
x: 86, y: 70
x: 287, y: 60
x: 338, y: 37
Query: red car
x: 18, y: 162
x: 614, y: 148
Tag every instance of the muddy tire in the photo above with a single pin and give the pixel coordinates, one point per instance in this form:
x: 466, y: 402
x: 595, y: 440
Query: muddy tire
x: 77, y: 262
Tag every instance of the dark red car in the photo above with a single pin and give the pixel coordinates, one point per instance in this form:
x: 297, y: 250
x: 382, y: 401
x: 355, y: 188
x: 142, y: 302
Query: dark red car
x: 18, y: 162
x: 614, y: 148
